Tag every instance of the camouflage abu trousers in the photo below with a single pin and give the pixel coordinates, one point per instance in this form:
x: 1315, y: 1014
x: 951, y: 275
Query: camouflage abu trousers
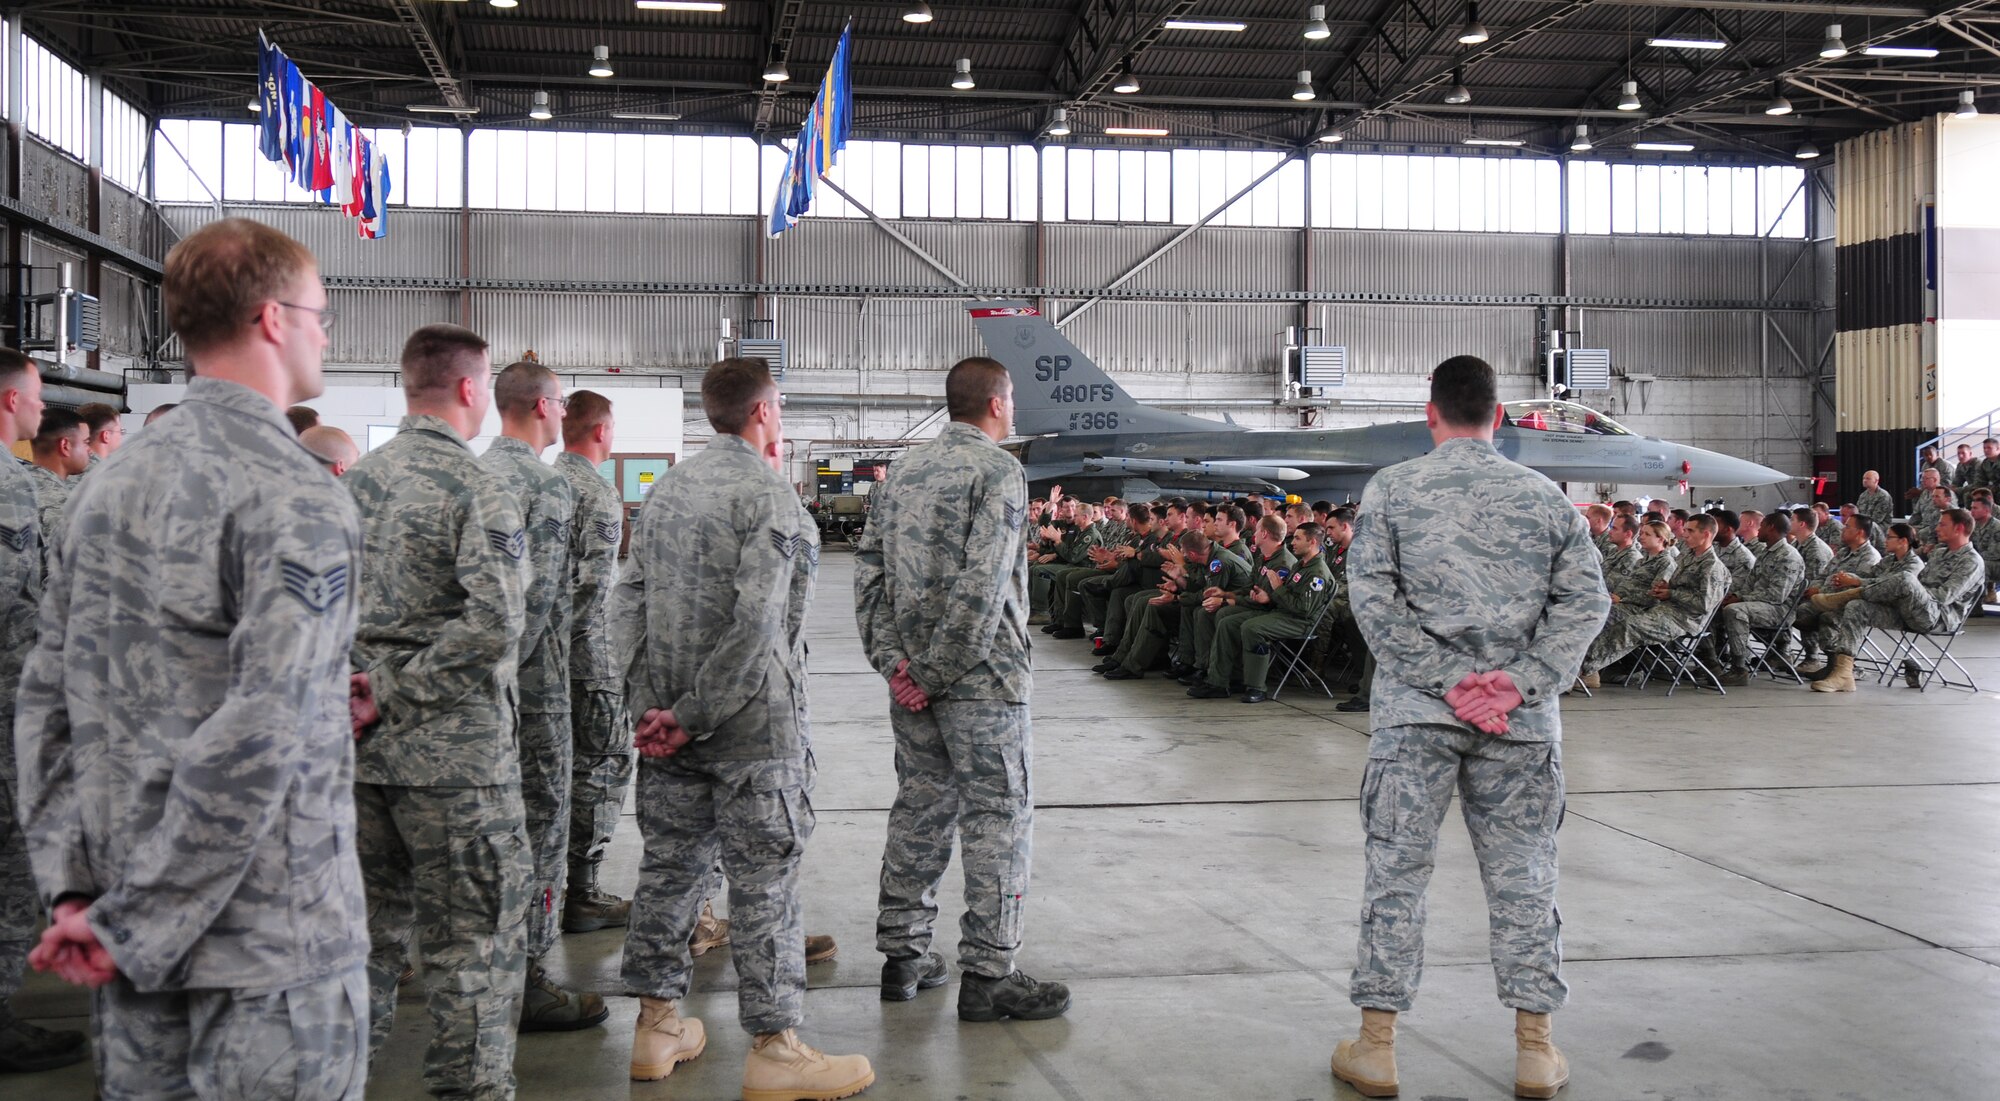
x: 1625, y: 633
x: 1512, y: 799
x: 962, y: 767
x: 20, y: 904
x: 448, y: 869
x: 599, y: 775
x: 755, y: 816
x: 546, y: 762
x: 1737, y: 619
x: 1895, y: 602
x: 307, y: 1042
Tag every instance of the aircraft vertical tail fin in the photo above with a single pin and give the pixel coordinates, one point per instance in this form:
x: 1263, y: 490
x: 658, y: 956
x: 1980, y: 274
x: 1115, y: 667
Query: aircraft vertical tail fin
x: 1057, y: 389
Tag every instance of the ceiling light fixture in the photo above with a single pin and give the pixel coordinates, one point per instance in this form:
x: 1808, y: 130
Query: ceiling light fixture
x: 1628, y: 97
x: 681, y: 5
x: 1663, y: 146
x: 1303, y: 90
x: 441, y: 109
x: 1899, y: 51
x: 539, y: 109
x: 1833, y: 46
x: 1126, y: 84
x: 1678, y: 43
x: 1807, y: 151
x: 505, y: 3
x: 1472, y: 32
x: 1136, y: 131
x: 1204, y: 25
x: 1059, y: 123
x: 647, y: 116
x: 256, y: 106
x: 1331, y: 137
x: 600, y: 61
x: 1580, y: 141
x: 919, y: 12
x: 1778, y: 104
x: 1459, y: 92
x: 1506, y: 142
x: 1967, y: 109
x: 962, y: 75
x: 1316, y: 27
x: 776, y: 73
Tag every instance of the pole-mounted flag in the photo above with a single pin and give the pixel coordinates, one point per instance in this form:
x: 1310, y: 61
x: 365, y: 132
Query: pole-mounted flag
x: 820, y: 140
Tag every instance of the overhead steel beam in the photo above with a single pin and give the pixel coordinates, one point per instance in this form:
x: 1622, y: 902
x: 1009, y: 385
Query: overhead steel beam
x: 1768, y: 7
x: 1105, y: 64
x: 784, y: 24
x: 1979, y: 37
x: 1495, y: 45
x: 432, y: 54
x: 1819, y: 87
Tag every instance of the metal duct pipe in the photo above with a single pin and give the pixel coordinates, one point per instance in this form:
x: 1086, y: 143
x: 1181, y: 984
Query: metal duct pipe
x: 84, y: 378
x: 72, y: 397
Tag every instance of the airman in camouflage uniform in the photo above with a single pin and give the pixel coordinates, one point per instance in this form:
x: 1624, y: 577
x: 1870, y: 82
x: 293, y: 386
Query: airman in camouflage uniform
x: 1291, y: 599
x: 1935, y: 601
x: 940, y: 591
x: 23, y: 1047
x: 1477, y: 634
x: 1764, y: 598
x: 530, y: 402
x: 1874, y: 502
x: 443, y: 835
x: 1731, y: 549
x: 1988, y: 476
x: 1857, y: 556
x: 59, y: 454
x: 1932, y: 500
x: 1680, y: 605
x: 1816, y: 554
x: 1986, y: 539
x: 601, y: 730
x: 183, y: 735
x: 708, y: 624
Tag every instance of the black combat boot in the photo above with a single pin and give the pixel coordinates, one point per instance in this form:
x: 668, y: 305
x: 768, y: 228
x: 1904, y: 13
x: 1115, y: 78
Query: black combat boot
x: 1017, y: 996
x: 25, y: 1048
x: 902, y: 978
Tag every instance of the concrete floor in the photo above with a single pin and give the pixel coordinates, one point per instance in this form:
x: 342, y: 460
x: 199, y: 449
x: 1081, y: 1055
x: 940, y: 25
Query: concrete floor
x: 1776, y: 895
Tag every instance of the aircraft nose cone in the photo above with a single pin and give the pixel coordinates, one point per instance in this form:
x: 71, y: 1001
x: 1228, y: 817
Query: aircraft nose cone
x: 1712, y: 468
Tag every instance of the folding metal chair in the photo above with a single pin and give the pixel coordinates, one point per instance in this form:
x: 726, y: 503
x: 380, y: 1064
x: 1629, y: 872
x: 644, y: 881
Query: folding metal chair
x: 1930, y: 655
x: 1770, y: 647
x: 1295, y: 651
x: 1679, y: 660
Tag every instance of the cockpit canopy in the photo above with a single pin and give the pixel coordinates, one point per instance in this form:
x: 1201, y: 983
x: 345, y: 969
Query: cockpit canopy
x: 1561, y: 416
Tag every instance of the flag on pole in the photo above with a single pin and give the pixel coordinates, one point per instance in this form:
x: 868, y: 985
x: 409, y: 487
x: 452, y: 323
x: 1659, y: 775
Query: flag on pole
x: 320, y: 149
x: 820, y: 141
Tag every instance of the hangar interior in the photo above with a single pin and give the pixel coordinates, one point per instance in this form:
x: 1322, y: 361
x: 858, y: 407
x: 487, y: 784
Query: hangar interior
x: 1776, y: 216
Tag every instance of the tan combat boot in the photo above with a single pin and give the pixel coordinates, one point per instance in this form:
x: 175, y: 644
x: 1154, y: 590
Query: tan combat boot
x: 1539, y: 1067
x: 663, y: 1039
x: 709, y: 931
x: 782, y: 1067
x: 1839, y: 676
x: 1369, y: 1063
x: 1833, y: 602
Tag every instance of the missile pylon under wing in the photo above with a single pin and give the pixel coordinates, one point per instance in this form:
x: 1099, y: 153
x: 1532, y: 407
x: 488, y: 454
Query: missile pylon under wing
x: 1085, y: 431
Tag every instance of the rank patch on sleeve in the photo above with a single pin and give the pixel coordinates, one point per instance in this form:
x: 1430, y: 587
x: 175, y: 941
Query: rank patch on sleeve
x: 513, y: 544
x: 552, y: 527
x: 317, y: 590
x: 17, y: 539
x: 788, y: 545
x: 607, y: 530
x: 1014, y: 514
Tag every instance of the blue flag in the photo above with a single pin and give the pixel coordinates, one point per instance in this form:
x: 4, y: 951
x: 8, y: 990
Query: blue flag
x: 270, y: 127
x: 820, y: 140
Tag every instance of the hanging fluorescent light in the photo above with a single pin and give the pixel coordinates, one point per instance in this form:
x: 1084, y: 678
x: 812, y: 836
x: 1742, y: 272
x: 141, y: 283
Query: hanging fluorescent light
x: 647, y: 116
x: 1967, y: 109
x: 1204, y: 25
x: 1807, y: 151
x: 1663, y: 146
x: 256, y: 106
x: 681, y: 5
x: 505, y: 3
x: 1331, y: 137
x: 1059, y: 123
x: 1316, y: 27
x: 1136, y: 131
x: 1628, y: 98
x: 962, y: 77
x: 539, y: 110
x: 776, y: 73
x: 1126, y: 84
x: 1303, y: 90
x: 1580, y: 142
x: 1506, y: 142
x: 1677, y: 43
x: 1833, y: 46
x: 441, y: 109
x: 600, y: 61
x: 1778, y: 104
x: 1472, y: 32
x: 1899, y: 51
x: 918, y: 13
x: 1459, y: 92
